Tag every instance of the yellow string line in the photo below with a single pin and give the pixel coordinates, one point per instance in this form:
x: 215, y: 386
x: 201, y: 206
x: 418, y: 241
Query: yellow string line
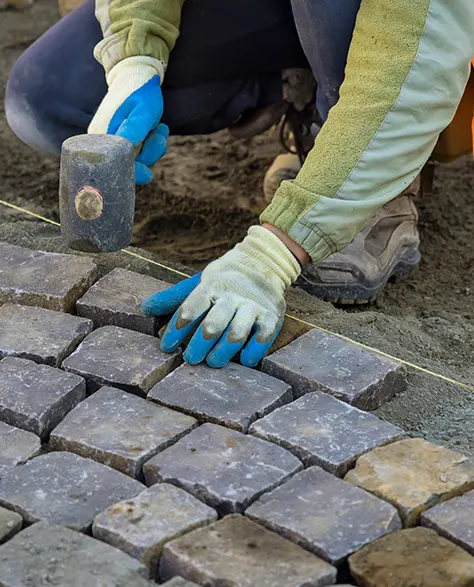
x: 291, y: 317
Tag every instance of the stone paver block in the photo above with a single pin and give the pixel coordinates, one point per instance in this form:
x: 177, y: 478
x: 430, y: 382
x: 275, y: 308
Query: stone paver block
x: 116, y: 300
x: 224, y: 468
x: 234, y: 396
x: 37, y: 397
x: 179, y: 582
x: 355, y: 375
x: 417, y: 557
x: 44, y: 555
x: 65, y: 489
x: 16, y: 446
x: 10, y: 524
x: 41, y: 335
x: 236, y: 551
x: 413, y: 475
x: 454, y: 520
x: 324, y: 514
x: 121, y: 358
x: 142, y: 525
x: 324, y: 431
x: 48, y: 280
x: 119, y: 430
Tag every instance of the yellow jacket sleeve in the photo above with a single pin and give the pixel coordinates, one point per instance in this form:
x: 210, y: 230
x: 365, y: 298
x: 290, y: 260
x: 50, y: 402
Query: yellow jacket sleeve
x: 407, y: 68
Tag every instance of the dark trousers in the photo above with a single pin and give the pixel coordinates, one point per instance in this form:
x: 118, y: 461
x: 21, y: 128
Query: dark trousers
x: 228, y: 60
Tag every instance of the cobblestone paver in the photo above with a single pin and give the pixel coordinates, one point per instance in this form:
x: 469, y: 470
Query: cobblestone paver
x: 65, y: 489
x: 344, y: 370
x: 10, y: 524
x: 325, y: 514
x: 454, y: 520
x: 37, y: 397
x: 238, y: 552
x: 44, y: 555
x: 48, y: 280
x: 223, y: 467
x: 142, y: 525
x: 41, y: 335
x: 413, y: 475
x: 116, y: 300
x: 324, y: 431
x: 234, y: 396
x: 414, y: 557
x: 121, y: 358
x: 119, y: 429
x: 16, y: 446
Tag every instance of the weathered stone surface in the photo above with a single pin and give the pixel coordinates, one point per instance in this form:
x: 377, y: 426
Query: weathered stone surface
x: 48, y: 280
x: 129, y: 360
x: 41, y: 335
x: 179, y: 582
x: 233, y: 396
x: 324, y: 514
x: 142, y: 525
x: 238, y: 552
x: 415, y: 557
x: 16, y: 446
x: 357, y: 376
x: 413, y: 475
x: 116, y: 300
x: 44, y: 555
x: 65, y: 489
x: 119, y: 430
x: 226, y: 469
x: 454, y: 520
x: 37, y: 397
x: 10, y: 524
x: 67, y: 6
x: 324, y: 431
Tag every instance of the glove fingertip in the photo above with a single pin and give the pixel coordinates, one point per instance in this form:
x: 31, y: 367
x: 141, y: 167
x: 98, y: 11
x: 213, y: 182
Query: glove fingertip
x: 143, y: 174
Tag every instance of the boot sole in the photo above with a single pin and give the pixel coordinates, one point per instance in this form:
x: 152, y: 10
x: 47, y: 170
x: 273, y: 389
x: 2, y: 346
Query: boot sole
x: 368, y: 292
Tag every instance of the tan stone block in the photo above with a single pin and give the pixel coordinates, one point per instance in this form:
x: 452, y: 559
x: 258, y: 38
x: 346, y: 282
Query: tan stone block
x: 67, y: 6
x: 413, y: 475
x: 415, y: 557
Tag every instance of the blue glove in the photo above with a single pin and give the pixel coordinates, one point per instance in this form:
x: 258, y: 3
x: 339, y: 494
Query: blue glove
x: 132, y: 108
x: 236, y: 308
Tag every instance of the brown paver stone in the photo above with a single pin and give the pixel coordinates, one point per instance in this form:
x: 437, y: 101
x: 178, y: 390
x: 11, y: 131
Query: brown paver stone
x: 413, y: 475
x: 224, y: 468
x: 37, y: 397
x: 236, y: 551
x: 48, y: 280
x: 142, y: 525
x: 357, y: 376
x: 10, y: 524
x: 324, y: 514
x: 41, y: 335
x: 65, y: 489
x: 324, y: 431
x: 454, y: 520
x: 179, y: 582
x: 116, y: 300
x: 234, y: 396
x: 121, y: 358
x: 44, y: 555
x: 16, y: 446
x: 416, y: 557
x: 119, y: 430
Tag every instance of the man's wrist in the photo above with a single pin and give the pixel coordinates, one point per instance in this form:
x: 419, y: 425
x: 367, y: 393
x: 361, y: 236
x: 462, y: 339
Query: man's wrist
x: 298, y: 251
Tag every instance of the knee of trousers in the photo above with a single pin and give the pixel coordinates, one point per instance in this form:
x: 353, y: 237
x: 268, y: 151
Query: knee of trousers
x: 27, y: 111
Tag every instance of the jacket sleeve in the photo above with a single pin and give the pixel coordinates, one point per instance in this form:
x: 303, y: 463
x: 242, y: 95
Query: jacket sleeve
x: 131, y: 28
x: 407, y: 68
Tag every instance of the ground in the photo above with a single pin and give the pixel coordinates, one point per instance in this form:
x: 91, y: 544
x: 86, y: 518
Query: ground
x: 207, y: 191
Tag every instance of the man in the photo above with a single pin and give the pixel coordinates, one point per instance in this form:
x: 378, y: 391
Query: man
x: 408, y: 64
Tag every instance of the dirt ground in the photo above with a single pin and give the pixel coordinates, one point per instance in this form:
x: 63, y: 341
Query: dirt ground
x: 206, y: 193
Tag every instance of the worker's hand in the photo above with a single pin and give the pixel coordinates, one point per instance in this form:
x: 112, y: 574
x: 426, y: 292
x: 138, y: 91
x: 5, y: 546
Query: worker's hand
x: 240, y: 295
x: 132, y: 108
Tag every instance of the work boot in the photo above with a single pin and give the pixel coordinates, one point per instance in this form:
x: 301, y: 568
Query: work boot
x: 386, y: 248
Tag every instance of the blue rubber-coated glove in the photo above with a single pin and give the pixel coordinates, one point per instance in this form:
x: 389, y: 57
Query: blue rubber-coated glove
x: 132, y: 108
x: 238, y: 302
